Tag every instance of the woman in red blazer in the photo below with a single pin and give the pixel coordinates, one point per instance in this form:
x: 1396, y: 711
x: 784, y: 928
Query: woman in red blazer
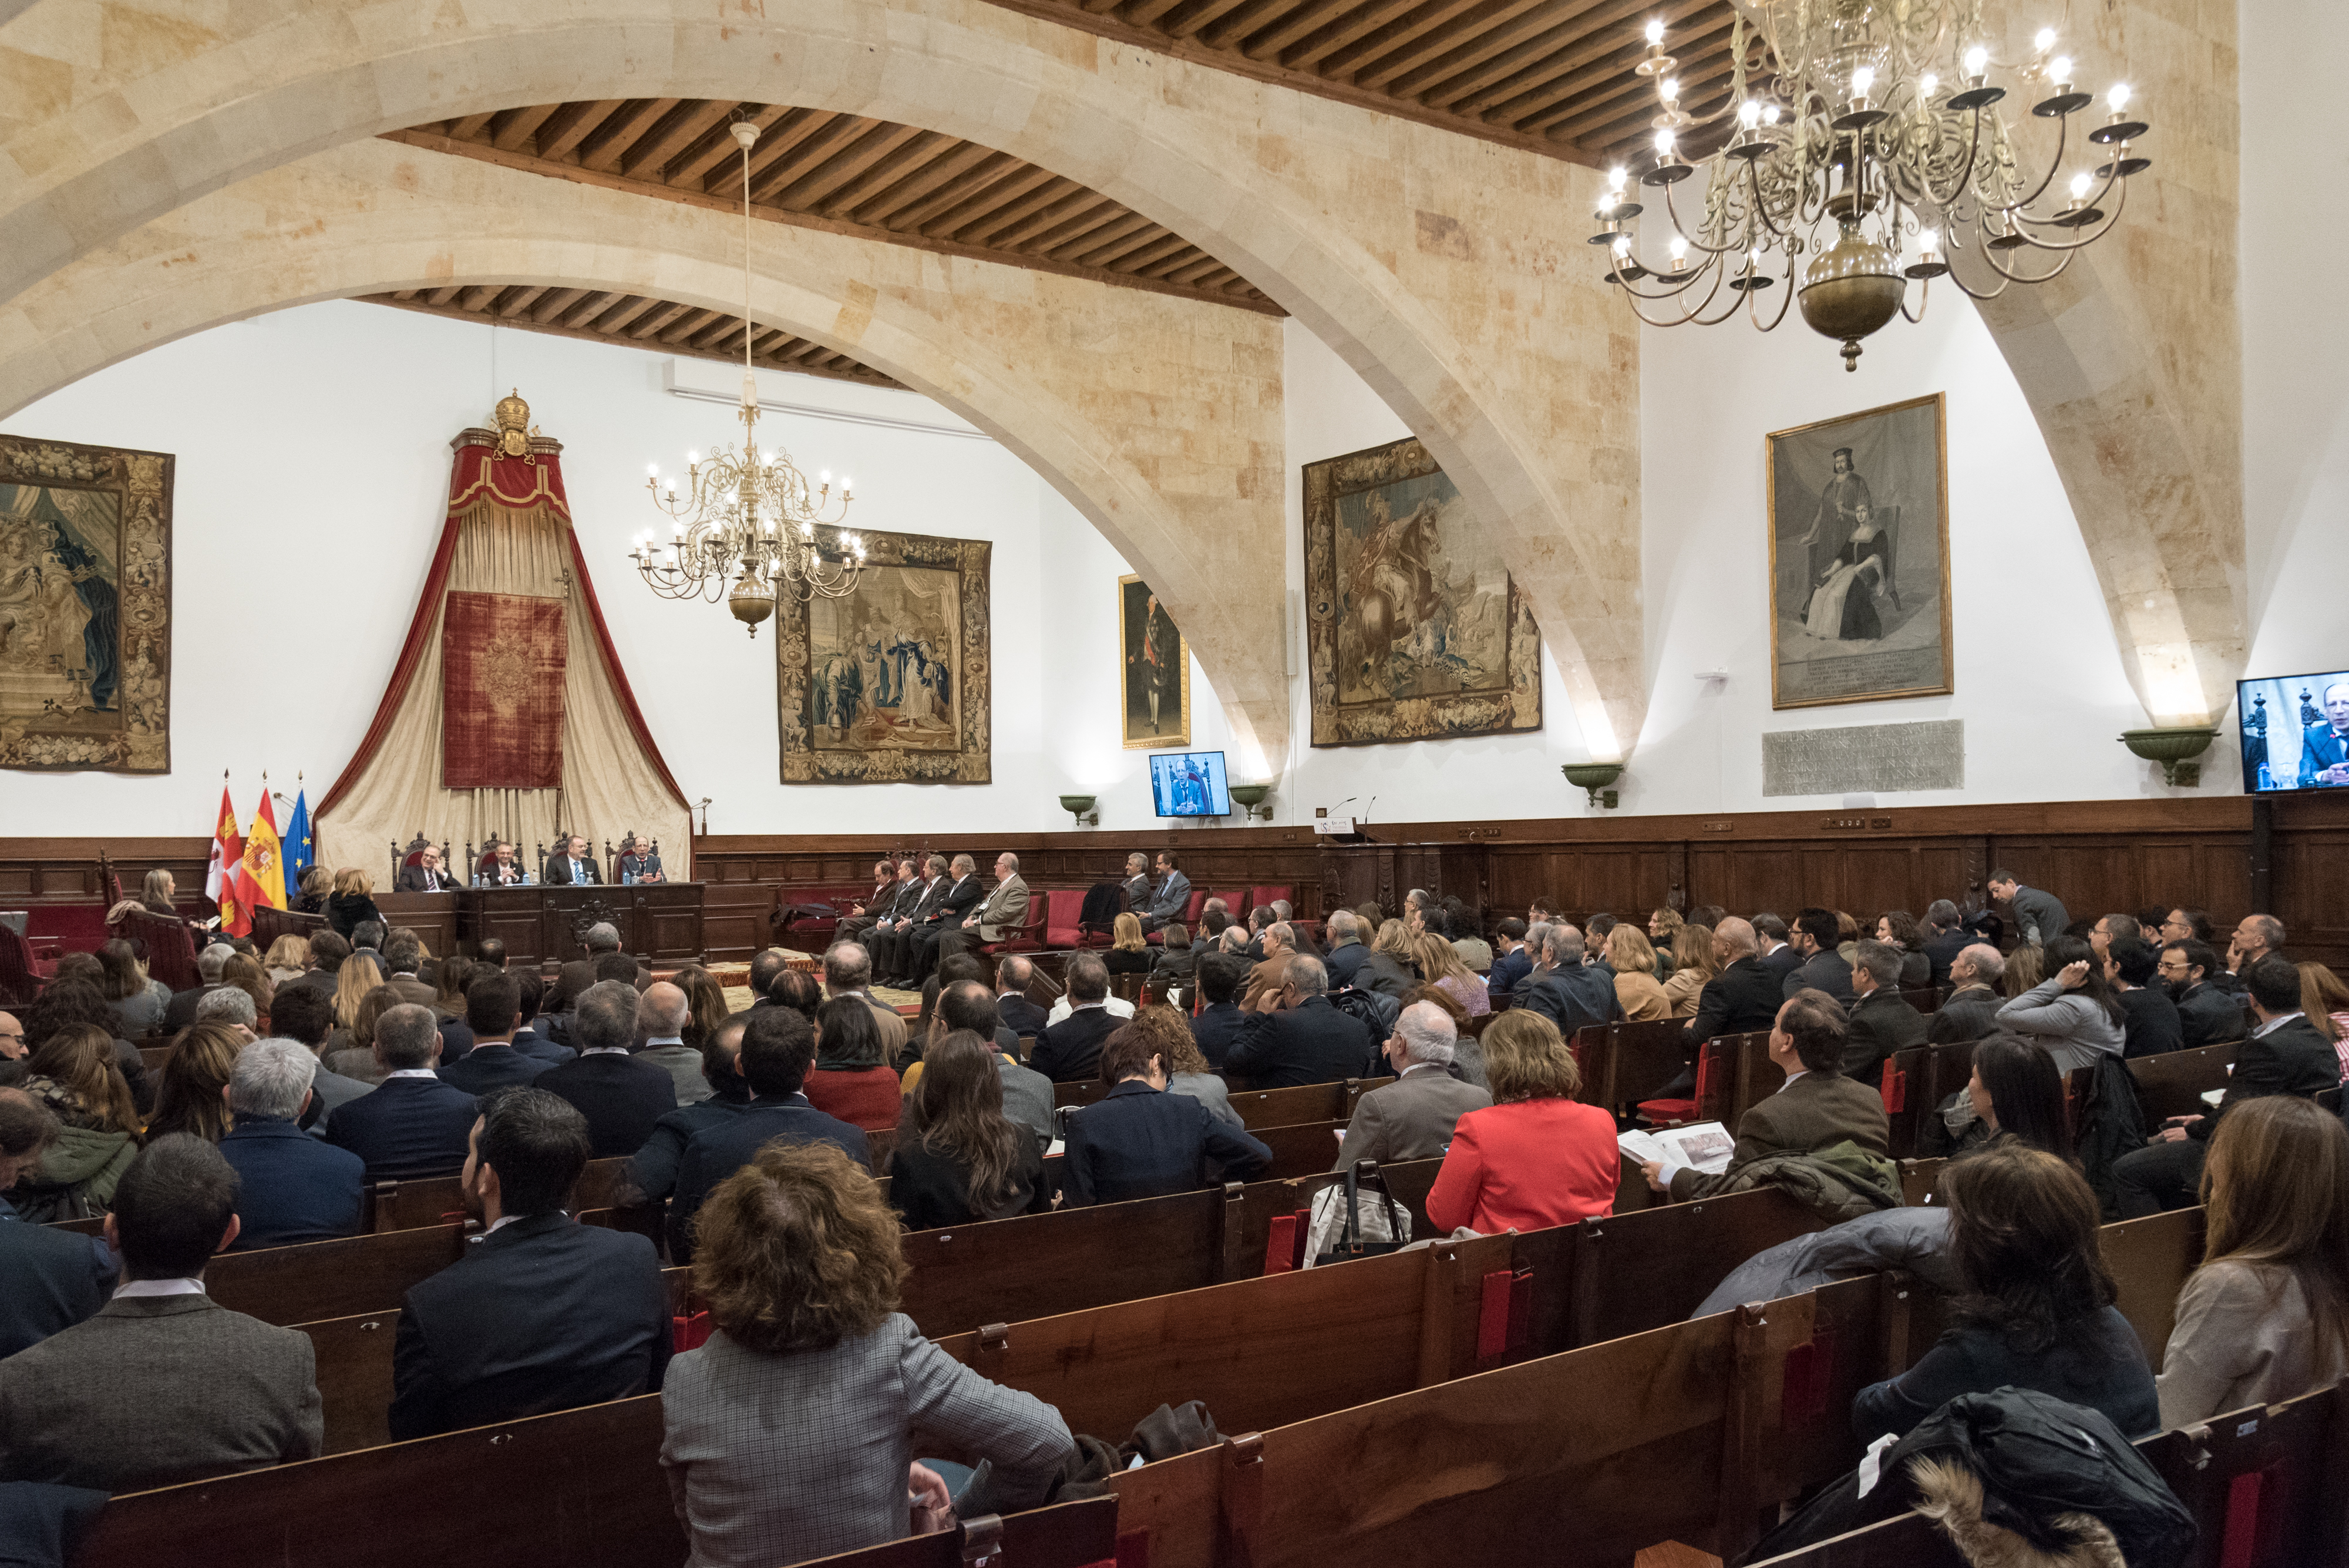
x: 1538, y: 1157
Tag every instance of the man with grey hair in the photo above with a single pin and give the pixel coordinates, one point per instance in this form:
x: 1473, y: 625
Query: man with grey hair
x: 293, y: 1188
x: 889, y: 941
x: 1415, y: 904
x: 181, y: 1010
x: 920, y: 948
x: 1293, y: 1035
x: 848, y: 971
x: 621, y: 1096
x: 229, y: 1005
x: 1411, y: 1119
x: 1970, y: 1012
x: 412, y: 1125
x: 999, y: 916
x: 1879, y: 1020
x: 1346, y: 949
x: 661, y: 1016
x: 1742, y: 996
x: 1070, y: 1050
x: 1279, y: 939
x: 1571, y: 994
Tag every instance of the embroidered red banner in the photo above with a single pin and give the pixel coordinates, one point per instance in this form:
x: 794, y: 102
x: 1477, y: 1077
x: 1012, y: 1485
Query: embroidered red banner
x: 501, y: 659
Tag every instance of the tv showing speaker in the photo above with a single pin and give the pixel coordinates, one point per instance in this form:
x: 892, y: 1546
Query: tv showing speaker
x: 1190, y: 784
x: 2295, y: 732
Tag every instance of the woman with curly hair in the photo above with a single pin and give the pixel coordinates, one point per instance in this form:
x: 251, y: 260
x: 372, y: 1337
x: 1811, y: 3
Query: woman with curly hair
x: 1187, y: 1072
x: 73, y: 1072
x: 1899, y: 928
x: 812, y: 1371
x: 188, y: 1099
x: 1663, y: 925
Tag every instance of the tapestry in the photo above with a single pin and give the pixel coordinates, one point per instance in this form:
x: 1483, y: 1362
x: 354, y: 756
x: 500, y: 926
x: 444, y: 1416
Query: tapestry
x: 1860, y: 558
x: 1415, y: 629
x: 889, y: 682
x: 502, y: 663
x: 84, y: 608
x: 1157, y: 670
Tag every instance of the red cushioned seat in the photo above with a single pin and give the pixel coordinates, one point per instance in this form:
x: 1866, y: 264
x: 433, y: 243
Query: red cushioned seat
x: 1235, y: 905
x: 1030, y: 937
x: 1259, y: 897
x: 1680, y: 1113
x: 21, y: 975
x: 1064, y: 909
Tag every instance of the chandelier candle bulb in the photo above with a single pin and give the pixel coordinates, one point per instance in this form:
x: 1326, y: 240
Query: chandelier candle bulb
x: 1655, y: 32
x: 2044, y: 41
x: 2060, y: 67
x: 1977, y: 64
x: 1926, y: 87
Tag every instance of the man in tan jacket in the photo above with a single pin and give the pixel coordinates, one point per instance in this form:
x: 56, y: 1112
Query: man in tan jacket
x: 1411, y: 1119
x: 999, y: 916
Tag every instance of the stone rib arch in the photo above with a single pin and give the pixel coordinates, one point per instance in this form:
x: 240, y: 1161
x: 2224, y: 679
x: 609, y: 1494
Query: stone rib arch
x: 1203, y: 526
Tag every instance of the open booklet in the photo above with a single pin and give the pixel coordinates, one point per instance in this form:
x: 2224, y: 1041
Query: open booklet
x: 1705, y: 1148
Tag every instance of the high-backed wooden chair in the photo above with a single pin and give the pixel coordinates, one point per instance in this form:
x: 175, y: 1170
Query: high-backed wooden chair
x: 21, y: 975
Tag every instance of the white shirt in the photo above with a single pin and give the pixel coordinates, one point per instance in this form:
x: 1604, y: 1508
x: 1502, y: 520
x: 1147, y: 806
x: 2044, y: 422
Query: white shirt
x: 664, y: 1040
x: 159, y: 1288
x: 2277, y: 1023
x: 607, y: 1051
x: 1117, y: 1006
x: 410, y: 1072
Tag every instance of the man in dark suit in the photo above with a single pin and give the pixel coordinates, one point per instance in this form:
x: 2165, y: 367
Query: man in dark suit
x: 2284, y: 1056
x: 493, y: 1011
x: 1813, y: 941
x: 54, y: 1278
x: 1945, y: 938
x: 620, y: 1096
x: 1742, y: 997
x: 921, y: 944
x: 1139, y: 1142
x: 1069, y: 1051
x: 412, y: 1125
x: 2325, y: 745
x: 1816, y: 1108
x: 1776, y: 955
x: 860, y: 918
x: 1412, y: 1117
x: 890, y: 941
x: 2150, y: 1025
x: 328, y: 952
x: 1569, y: 994
x: 571, y: 865
x: 181, y: 1010
x: 652, y: 1169
x: 1344, y: 929
x: 1021, y: 1016
x: 1170, y: 899
x: 529, y: 1038
x: 161, y: 1386
x: 1971, y: 1011
x: 291, y: 1186
x: 2039, y: 916
x: 542, y: 1313
x: 403, y: 958
x: 1218, y: 1025
x: 1294, y: 1036
x: 1881, y: 1020
x: 2205, y: 1014
x: 427, y: 875
x: 777, y: 1049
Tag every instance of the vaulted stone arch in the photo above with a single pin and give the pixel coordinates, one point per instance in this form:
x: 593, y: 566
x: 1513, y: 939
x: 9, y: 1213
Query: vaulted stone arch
x: 1180, y: 473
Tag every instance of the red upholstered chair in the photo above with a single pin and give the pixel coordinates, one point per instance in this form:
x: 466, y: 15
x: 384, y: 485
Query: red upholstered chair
x: 1235, y: 905
x: 1713, y: 1069
x: 1064, y: 910
x: 1259, y: 897
x: 21, y: 975
x: 1030, y: 937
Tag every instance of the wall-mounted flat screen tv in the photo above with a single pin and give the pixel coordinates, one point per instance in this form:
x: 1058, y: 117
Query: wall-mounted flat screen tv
x: 2295, y: 731
x: 1190, y: 784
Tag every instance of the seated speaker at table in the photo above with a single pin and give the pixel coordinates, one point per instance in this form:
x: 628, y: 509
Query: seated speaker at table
x: 571, y: 863
x: 426, y: 873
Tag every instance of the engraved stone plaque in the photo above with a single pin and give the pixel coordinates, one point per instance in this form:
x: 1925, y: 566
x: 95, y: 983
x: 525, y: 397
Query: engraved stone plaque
x: 1882, y: 758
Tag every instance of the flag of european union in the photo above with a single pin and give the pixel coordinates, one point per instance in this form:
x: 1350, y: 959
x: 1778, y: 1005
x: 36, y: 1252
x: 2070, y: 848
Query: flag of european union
x: 299, y: 854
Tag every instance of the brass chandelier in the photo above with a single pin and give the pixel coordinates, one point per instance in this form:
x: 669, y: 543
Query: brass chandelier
x: 746, y: 529
x: 1865, y: 138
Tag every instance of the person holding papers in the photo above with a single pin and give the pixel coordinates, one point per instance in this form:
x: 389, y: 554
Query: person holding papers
x: 1817, y: 1108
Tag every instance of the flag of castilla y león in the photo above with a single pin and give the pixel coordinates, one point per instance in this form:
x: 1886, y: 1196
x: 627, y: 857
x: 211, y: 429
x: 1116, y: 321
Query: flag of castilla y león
x: 223, y: 877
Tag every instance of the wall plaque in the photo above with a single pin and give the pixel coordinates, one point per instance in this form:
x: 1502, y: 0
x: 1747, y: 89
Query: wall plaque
x: 1882, y: 758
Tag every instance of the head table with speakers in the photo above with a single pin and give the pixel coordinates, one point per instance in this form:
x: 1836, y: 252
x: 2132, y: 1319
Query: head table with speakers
x: 659, y: 922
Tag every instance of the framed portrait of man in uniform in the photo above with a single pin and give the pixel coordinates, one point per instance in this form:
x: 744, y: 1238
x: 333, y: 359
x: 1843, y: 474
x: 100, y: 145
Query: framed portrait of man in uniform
x: 1155, y: 671
x: 1860, y: 558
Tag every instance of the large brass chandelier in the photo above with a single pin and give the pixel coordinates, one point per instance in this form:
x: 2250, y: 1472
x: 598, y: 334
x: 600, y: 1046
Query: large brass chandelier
x: 1863, y: 135
x: 747, y: 527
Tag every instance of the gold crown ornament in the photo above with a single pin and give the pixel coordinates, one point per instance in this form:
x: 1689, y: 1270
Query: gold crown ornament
x: 514, y: 425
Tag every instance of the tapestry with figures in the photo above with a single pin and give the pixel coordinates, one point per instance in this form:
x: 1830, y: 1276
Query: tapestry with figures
x: 84, y: 608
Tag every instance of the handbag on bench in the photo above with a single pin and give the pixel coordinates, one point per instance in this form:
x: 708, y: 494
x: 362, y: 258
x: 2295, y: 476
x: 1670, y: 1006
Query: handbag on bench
x: 1341, y: 1230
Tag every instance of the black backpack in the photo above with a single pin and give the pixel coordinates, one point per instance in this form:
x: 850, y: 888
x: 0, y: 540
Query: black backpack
x: 2038, y: 1458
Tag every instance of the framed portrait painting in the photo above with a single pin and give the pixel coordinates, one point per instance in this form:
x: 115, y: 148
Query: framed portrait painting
x: 1860, y: 558
x: 84, y: 608
x: 1413, y: 628
x: 889, y: 682
x: 1154, y: 665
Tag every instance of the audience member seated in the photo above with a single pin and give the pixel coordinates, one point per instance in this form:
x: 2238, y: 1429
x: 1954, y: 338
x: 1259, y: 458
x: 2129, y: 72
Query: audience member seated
x: 1898, y: 930
x: 2040, y: 1315
x: 324, y: 966
x: 850, y: 1080
x: 1187, y: 1072
x: 2255, y: 937
x: 918, y: 950
x: 1945, y: 938
x: 800, y: 1268
x: 412, y: 1125
x: 705, y: 1004
x: 848, y: 971
x: 191, y: 1093
x: 1569, y: 992
x: 542, y: 1314
x: 1537, y: 1156
x: 1512, y: 961
x: 652, y: 1169
x: 1128, y: 952
x: 1467, y: 938
x: 965, y: 1006
x: 67, y: 1003
x: 1277, y: 941
x: 2324, y: 1000
x: 1818, y: 1107
x: 2073, y: 1013
x: 317, y: 884
x: 1777, y: 955
x: 161, y: 1386
x: 181, y: 1010
x: 777, y: 1049
x: 2284, y: 1056
x: 1346, y: 953
x: 1412, y: 1117
x: 2207, y: 1015
x: 1633, y: 962
x: 351, y: 1051
x: 1389, y: 968
x: 2266, y: 1317
x: 1742, y: 996
x: 493, y: 1013
x: 139, y: 1001
x: 1013, y: 973
x: 1692, y: 968
x: 291, y: 1186
x: 664, y: 1013
x: 288, y: 961
x: 352, y: 903
x: 1141, y: 1142
x: 2015, y: 1094
x: 367, y: 937
x: 1295, y: 1036
x: 55, y: 1278
x: 449, y: 977
x: 1069, y: 1052
x: 1971, y: 1010
x: 156, y: 892
x: 2149, y: 1022
x: 620, y: 1096
x: 230, y: 1007
x: 958, y: 1158
x: 889, y: 941
x: 1819, y: 967
x: 1177, y: 963
x: 530, y: 1037
x: 1881, y: 1020
x: 1441, y: 965
x: 74, y: 1076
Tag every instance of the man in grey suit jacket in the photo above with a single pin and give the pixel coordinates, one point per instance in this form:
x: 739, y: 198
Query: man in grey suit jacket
x: 1411, y: 1119
x: 1172, y: 897
x: 162, y: 1385
x: 998, y: 918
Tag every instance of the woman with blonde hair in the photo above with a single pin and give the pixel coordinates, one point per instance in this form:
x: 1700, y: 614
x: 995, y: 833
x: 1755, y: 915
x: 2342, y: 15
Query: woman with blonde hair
x: 2266, y: 1317
x: 243, y: 971
x: 1634, y: 963
x: 1441, y: 966
x: 74, y: 1073
x: 1128, y: 954
x: 1663, y: 925
x: 358, y: 976
x: 352, y: 902
x: 2026, y: 966
x: 188, y: 1099
x: 288, y: 959
x: 316, y: 885
x: 351, y: 1051
x: 158, y: 891
x: 1537, y: 1156
x: 2325, y: 1002
x: 1692, y: 967
x: 138, y: 999
x: 801, y: 1263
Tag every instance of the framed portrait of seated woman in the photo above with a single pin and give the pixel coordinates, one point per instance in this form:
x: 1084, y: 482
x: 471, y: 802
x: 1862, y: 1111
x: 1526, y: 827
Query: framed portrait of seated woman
x: 1860, y: 558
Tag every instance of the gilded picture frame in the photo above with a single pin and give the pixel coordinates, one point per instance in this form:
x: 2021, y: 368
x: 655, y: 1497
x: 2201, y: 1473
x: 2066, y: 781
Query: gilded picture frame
x: 1415, y: 629
x: 84, y: 608
x: 1859, y: 510
x: 1154, y: 660
x: 890, y: 684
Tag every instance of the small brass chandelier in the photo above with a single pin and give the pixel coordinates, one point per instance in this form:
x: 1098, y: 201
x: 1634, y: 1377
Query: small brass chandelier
x: 1847, y: 146
x: 746, y: 529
